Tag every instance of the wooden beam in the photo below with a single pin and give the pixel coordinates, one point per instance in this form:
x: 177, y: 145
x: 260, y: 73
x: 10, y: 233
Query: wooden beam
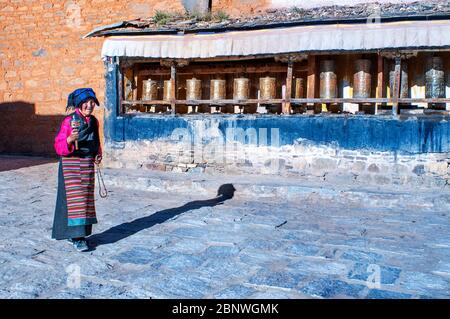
x: 312, y: 77
x: 424, y: 100
x: 397, y: 85
x: 340, y: 100
x: 371, y: 100
x: 218, y: 70
x: 296, y: 101
x: 287, y: 104
x: 380, y: 81
x: 147, y: 102
x: 173, y: 75
x: 236, y: 102
x: 234, y: 58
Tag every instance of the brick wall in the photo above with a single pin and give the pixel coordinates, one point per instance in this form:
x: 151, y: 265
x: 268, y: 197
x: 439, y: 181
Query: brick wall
x: 238, y: 7
x: 43, y: 58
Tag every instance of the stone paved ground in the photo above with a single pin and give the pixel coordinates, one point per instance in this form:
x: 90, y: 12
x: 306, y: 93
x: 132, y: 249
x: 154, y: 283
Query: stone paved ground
x: 268, y: 241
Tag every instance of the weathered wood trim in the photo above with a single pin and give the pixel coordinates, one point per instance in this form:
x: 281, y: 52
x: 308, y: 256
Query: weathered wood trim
x: 312, y: 77
x: 288, y: 94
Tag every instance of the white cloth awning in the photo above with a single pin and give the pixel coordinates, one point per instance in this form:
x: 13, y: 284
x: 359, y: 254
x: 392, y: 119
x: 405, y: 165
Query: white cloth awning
x: 341, y: 37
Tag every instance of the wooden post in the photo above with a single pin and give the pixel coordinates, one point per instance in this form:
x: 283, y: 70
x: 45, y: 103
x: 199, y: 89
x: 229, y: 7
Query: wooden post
x: 135, y: 83
x: 134, y: 86
x: 121, y: 90
x: 128, y: 84
x: 380, y: 81
x: 398, y: 71
x: 173, y: 74
x: 287, y: 104
x: 312, y: 77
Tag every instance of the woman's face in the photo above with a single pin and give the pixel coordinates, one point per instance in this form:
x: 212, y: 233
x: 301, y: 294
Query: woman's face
x: 87, y: 107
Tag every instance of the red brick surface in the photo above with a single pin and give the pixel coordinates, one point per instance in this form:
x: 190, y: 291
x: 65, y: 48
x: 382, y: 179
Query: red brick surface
x: 239, y: 7
x: 43, y: 58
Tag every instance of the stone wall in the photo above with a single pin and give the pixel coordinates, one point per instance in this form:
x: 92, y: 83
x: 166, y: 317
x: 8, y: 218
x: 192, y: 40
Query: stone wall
x: 396, y: 151
x: 305, y: 161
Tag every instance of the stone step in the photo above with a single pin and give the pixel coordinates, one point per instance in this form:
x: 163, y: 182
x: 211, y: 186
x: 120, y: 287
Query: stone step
x: 272, y: 187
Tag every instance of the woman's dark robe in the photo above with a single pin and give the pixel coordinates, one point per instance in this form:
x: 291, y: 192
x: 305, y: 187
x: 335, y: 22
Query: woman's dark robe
x: 89, y: 147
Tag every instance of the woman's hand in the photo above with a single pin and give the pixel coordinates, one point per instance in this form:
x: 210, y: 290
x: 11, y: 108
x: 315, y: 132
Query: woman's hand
x: 98, y: 159
x: 73, y: 136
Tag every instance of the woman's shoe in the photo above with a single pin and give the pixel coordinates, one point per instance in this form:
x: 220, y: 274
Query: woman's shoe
x: 80, y: 244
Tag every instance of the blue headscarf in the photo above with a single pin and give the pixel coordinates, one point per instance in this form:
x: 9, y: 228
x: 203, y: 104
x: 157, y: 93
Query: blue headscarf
x: 79, y: 96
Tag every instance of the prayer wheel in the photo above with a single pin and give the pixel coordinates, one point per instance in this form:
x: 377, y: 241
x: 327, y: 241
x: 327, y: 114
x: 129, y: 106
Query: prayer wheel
x: 434, y: 78
x: 149, y: 90
x: 218, y: 90
x: 241, y: 89
x: 328, y: 79
x: 299, y: 88
x: 193, y: 89
x: 167, y: 90
x: 403, y: 80
x: 267, y: 87
x: 362, y: 79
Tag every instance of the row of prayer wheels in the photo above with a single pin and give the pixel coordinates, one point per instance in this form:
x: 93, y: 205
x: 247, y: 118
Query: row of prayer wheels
x: 328, y: 88
x: 241, y: 89
x: 362, y: 79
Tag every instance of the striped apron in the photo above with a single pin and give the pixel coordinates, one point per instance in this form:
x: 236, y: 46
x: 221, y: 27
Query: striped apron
x: 79, y: 182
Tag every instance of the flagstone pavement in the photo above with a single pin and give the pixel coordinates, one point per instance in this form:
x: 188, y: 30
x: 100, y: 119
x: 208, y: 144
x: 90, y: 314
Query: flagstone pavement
x: 175, y: 235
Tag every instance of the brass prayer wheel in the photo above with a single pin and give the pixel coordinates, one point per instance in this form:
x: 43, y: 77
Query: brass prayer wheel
x: 299, y: 88
x: 403, y: 80
x: 362, y: 79
x: 434, y: 78
x: 149, y: 90
x: 193, y: 89
x: 218, y: 90
x: 167, y: 93
x: 241, y: 89
x: 267, y: 86
x: 328, y: 79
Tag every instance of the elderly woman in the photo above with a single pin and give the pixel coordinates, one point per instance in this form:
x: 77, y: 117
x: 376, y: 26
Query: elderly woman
x: 78, y: 145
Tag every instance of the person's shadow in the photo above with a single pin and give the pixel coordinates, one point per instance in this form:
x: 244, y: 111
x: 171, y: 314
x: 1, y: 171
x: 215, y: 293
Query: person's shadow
x: 122, y: 231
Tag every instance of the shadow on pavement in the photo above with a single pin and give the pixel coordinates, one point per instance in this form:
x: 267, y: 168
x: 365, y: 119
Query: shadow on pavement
x: 122, y: 231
